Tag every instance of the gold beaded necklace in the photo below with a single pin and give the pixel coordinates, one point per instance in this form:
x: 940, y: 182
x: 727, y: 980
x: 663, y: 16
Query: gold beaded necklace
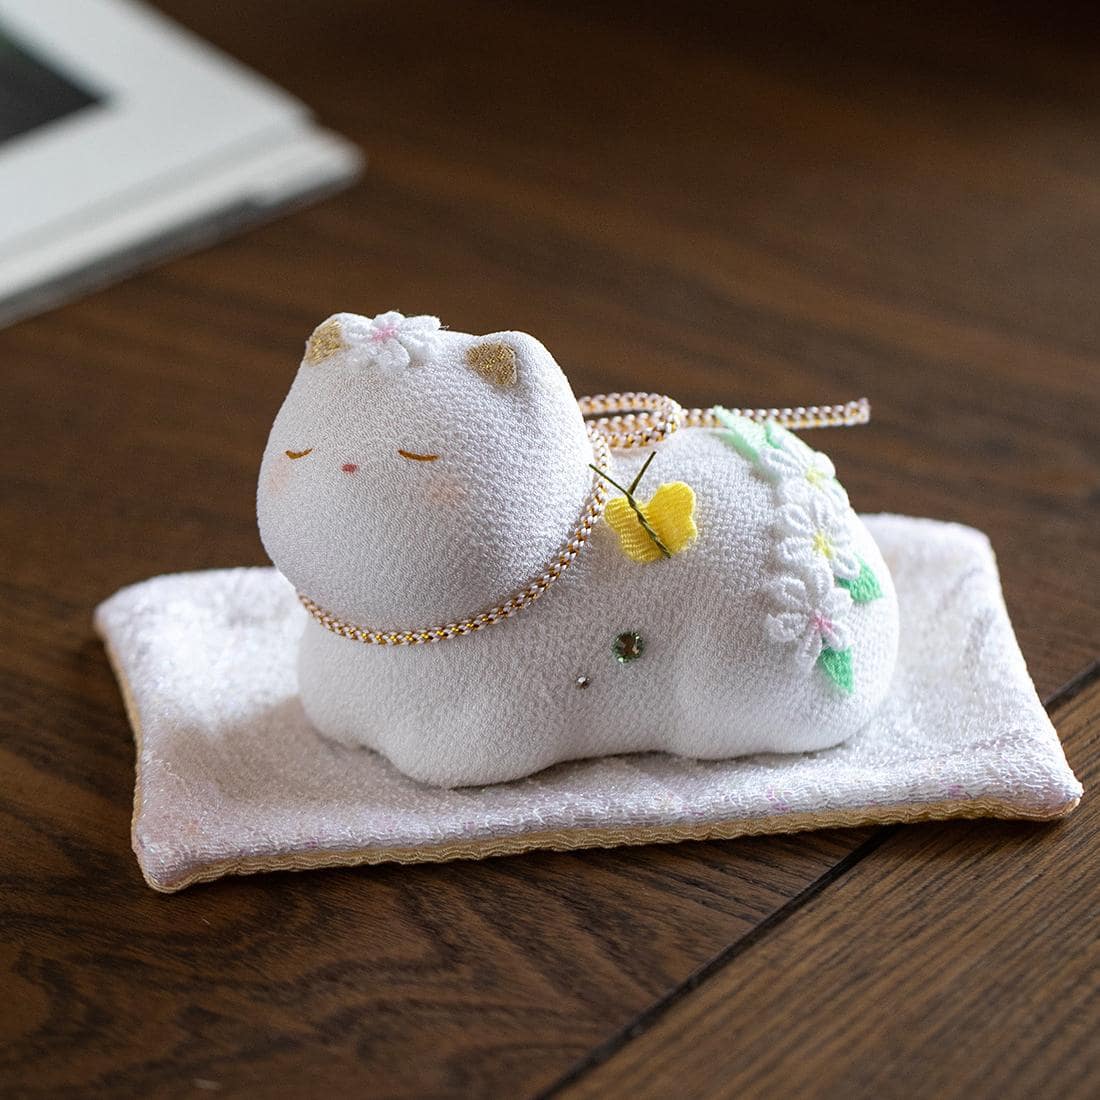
x: 616, y: 421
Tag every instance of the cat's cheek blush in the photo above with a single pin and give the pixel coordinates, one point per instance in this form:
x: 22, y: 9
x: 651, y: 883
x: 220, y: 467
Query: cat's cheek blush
x: 447, y: 493
x: 349, y: 467
x: 277, y: 477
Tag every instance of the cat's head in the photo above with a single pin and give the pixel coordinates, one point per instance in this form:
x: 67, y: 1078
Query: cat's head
x: 415, y: 475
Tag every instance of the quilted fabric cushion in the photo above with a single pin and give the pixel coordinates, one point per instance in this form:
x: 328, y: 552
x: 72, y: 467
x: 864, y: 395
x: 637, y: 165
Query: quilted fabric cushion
x: 232, y: 778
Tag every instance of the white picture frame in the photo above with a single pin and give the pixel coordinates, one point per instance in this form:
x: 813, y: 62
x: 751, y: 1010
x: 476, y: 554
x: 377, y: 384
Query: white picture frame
x: 182, y: 144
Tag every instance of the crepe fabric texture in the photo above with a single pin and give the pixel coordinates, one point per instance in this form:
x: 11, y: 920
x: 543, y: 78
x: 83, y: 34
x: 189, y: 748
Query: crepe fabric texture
x: 231, y: 777
x: 501, y: 704
x: 728, y: 622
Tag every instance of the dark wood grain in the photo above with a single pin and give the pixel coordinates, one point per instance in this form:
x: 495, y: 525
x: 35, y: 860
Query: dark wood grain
x: 786, y: 204
x: 954, y: 960
x: 459, y: 980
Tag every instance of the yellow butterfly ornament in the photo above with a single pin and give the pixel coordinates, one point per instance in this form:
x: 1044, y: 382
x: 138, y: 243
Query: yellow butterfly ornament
x: 662, y: 526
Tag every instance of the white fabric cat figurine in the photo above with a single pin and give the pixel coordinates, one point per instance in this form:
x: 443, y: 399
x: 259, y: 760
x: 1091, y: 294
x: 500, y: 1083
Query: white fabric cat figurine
x: 485, y: 604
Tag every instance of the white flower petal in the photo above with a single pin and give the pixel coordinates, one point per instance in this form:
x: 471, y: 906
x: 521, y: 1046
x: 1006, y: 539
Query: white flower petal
x: 823, y: 516
x: 420, y: 336
x: 821, y: 587
x: 839, y: 636
x: 787, y: 626
x: 421, y: 323
x: 794, y: 490
x: 796, y: 518
x: 786, y: 440
x: 796, y: 552
x: 824, y: 465
x: 836, y: 604
x: 780, y: 465
x: 797, y: 490
x: 788, y: 592
x: 845, y: 563
x: 809, y: 647
x: 420, y: 346
x: 389, y: 355
x: 836, y: 493
x: 814, y: 526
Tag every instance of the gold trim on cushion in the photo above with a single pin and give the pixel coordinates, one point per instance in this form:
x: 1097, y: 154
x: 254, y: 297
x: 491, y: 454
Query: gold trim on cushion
x: 568, y: 840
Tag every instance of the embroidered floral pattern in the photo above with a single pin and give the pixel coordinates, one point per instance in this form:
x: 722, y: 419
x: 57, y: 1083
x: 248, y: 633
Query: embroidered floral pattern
x: 811, y: 613
x: 823, y: 576
x: 391, y: 340
x: 813, y: 528
x: 745, y: 436
x: 865, y: 587
x: 798, y: 470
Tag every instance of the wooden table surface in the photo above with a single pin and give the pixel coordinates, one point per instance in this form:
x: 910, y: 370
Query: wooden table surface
x: 793, y: 204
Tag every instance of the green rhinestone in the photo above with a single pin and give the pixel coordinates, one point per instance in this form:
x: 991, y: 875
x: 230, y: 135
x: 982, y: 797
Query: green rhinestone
x: 629, y: 646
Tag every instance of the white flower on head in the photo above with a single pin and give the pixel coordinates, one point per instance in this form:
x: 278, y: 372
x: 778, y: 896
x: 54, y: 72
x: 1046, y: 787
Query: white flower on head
x: 810, y: 612
x: 392, y: 341
x: 797, y: 469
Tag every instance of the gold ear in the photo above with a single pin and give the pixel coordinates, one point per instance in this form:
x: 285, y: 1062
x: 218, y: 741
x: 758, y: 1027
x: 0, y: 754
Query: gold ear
x: 496, y: 361
x: 325, y: 341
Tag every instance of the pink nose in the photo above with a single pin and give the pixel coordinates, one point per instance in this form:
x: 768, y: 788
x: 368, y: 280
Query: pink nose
x: 349, y: 467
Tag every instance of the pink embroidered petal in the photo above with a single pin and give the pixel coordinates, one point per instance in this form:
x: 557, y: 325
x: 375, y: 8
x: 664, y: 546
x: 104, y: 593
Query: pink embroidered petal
x: 808, y: 612
x: 809, y: 647
x: 833, y: 634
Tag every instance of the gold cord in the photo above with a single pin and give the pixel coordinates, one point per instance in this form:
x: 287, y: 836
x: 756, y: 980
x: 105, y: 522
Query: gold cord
x: 616, y: 421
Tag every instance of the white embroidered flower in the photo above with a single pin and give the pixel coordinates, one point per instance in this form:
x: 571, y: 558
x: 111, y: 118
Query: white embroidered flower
x: 392, y: 341
x: 812, y: 531
x: 797, y: 469
x: 810, y: 612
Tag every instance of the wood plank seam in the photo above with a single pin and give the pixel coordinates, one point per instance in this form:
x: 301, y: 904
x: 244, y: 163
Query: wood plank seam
x: 652, y: 1013
x: 647, y: 1018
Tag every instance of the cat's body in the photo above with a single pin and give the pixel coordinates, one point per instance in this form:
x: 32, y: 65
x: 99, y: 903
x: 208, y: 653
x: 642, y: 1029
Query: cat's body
x: 412, y: 542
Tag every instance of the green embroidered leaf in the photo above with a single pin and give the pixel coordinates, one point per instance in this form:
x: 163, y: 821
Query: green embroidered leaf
x: 745, y: 436
x: 865, y: 587
x: 775, y: 433
x: 837, y: 665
